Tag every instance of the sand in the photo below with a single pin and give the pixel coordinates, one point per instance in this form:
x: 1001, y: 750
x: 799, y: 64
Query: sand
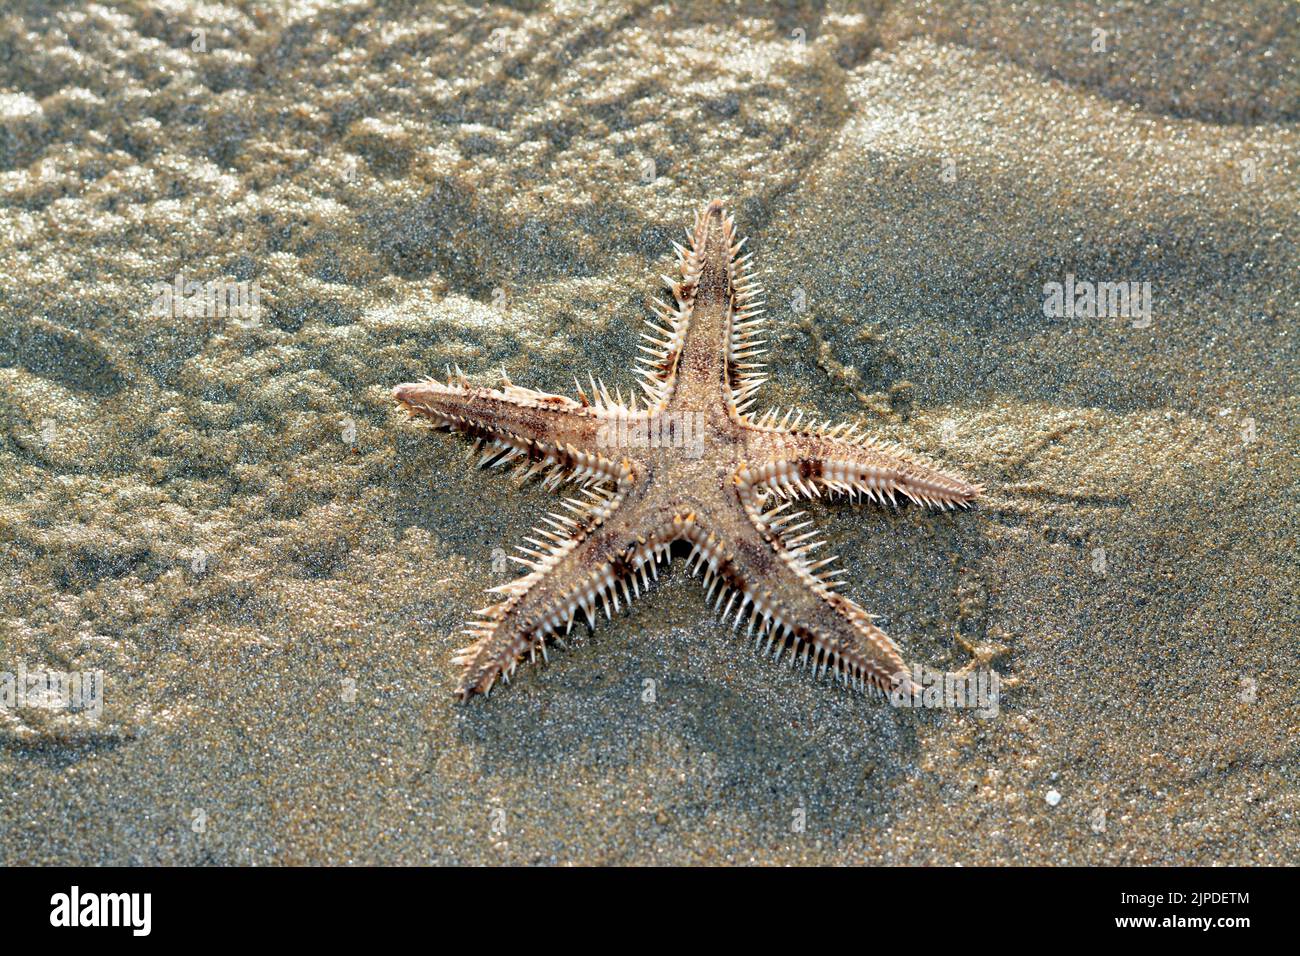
x: 229, y: 520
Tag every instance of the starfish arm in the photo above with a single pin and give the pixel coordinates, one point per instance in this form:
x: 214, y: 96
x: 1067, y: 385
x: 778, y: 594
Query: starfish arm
x: 790, y: 603
x: 607, y: 547
x: 543, y: 433
x: 708, y: 341
x: 800, y: 462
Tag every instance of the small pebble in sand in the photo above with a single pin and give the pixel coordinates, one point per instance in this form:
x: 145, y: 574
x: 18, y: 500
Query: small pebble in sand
x: 1053, y: 798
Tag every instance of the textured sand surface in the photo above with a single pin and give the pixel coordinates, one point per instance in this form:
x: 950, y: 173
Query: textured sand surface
x: 269, y: 566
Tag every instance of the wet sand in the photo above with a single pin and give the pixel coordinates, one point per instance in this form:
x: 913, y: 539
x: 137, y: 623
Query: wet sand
x: 230, y: 520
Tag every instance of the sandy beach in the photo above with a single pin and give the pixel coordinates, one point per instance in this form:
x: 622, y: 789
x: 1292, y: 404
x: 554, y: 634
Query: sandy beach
x: 226, y: 519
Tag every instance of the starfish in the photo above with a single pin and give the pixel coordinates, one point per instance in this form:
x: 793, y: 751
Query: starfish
x: 686, y: 462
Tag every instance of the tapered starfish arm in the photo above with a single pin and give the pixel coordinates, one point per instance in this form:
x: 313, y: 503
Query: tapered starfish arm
x: 541, y: 432
x: 791, y: 606
x: 607, y: 548
x: 801, y: 462
x: 703, y: 352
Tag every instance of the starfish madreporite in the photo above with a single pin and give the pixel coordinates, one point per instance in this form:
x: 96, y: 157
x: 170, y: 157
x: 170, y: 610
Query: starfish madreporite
x: 685, y: 463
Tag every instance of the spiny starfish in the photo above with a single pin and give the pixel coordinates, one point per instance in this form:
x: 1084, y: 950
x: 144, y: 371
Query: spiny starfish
x: 686, y: 463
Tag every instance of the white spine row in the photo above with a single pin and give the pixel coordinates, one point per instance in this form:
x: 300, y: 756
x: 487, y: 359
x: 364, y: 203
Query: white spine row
x: 747, y: 319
